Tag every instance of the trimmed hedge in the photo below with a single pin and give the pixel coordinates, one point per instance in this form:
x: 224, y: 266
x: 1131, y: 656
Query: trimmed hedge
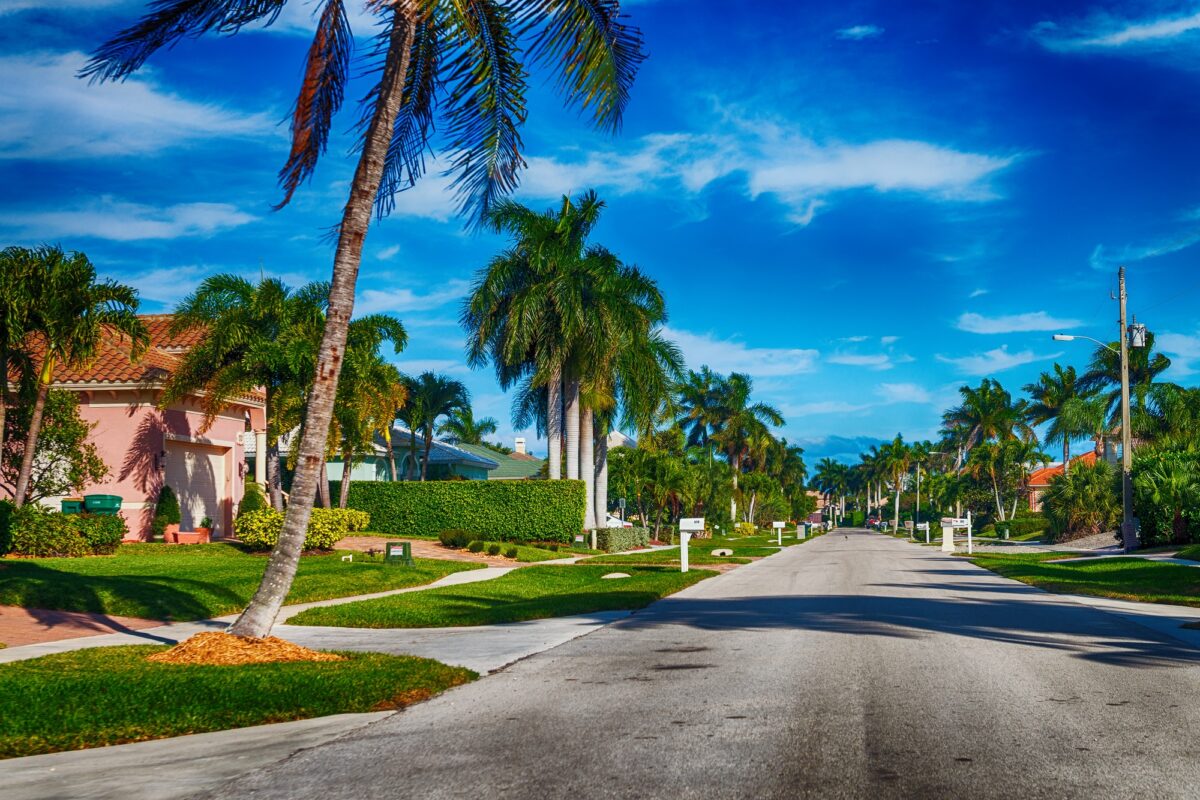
x: 496, y: 511
x: 37, y: 531
x: 614, y: 540
x: 1021, y: 525
x: 259, y: 530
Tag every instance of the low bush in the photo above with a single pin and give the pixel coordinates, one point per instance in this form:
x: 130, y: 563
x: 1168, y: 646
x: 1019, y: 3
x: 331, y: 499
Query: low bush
x: 1021, y: 525
x: 259, y: 530
x: 506, y: 511
x: 37, y: 531
x: 456, y: 538
x: 745, y: 529
x: 253, y: 498
x: 493, y: 550
x: 1083, y: 502
x: 475, y: 547
x: 510, y: 552
x: 166, y: 511
x: 1166, y: 496
x: 614, y: 540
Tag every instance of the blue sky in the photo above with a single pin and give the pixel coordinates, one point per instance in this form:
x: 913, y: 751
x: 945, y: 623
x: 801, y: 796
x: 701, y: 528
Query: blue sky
x: 862, y: 204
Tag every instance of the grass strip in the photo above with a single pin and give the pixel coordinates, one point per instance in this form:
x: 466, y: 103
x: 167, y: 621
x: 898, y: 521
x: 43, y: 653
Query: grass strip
x: 1118, y: 578
x: 1192, y: 552
x: 527, y: 554
x: 661, y: 557
x: 187, y: 582
x: 530, y: 593
x: 110, y: 695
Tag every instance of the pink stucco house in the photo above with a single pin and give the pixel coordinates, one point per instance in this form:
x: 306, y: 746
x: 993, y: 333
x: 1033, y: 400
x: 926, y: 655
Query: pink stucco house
x: 144, y: 446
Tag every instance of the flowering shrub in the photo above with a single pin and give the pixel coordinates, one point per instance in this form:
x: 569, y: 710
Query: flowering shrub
x: 259, y: 530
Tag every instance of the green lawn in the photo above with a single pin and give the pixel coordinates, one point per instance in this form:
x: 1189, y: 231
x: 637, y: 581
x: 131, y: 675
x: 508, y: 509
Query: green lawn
x: 110, y: 695
x: 184, y: 582
x: 1120, y: 578
x: 530, y: 555
x: 529, y: 593
x: 1191, y: 552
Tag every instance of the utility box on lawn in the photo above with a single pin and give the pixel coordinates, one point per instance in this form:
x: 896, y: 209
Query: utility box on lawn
x: 398, y: 553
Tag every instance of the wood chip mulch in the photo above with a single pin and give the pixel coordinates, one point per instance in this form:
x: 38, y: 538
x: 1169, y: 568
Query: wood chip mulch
x: 225, y: 649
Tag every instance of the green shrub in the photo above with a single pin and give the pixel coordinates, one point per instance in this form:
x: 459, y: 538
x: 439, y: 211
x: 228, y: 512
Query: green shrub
x: 456, y: 538
x: 259, y: 530
x: 505, y: 511
x: 253, y: 498
x: 493, y: 550
x: 614, y: 540
x: 1166, y: 496
x: 475, y: 547
x: 1084, y: 502
x: 510, y: 552
x: 745, y: 529
x: 37, y: 531
x: 166, y: 510
x: 6, y: 511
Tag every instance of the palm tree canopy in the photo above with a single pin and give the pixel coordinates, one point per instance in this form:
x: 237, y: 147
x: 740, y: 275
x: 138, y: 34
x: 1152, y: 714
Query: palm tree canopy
x: 461, y: 427
x: 1145, y: 367
x: 465, y: 63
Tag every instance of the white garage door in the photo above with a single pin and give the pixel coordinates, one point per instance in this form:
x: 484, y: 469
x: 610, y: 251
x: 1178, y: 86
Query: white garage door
x: 196, y: 473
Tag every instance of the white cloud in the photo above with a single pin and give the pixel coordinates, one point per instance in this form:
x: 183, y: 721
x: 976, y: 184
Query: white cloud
x: 1183, y: 350
x: 728, y: 355
x: 977, y: 293
x: 886, y: 340
x: 1104, y: 32
x: 859, y: 32
x: 855, y: 338
x: 993, y: 361
x: 46, y: 112
x: 388, y: 253
x: 373, y: 301
x: 821, y: 407
x: 879, y: 361
x: 1106, y: 259
x: 771, y: 159
x: 13, y: 6
x: 430, y: 198
x: 120, y: 221
x: 1014, y: 323
x: 903, y: 393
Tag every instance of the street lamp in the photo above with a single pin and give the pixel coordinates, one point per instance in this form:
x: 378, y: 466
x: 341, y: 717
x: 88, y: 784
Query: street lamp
x: 1129, y: 336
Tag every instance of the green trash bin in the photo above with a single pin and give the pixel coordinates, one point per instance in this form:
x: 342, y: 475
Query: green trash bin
x: 104, y: 505
x: 72, y: 506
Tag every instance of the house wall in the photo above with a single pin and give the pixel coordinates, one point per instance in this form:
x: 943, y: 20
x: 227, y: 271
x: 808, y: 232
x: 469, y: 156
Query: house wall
x: 369, y: 468
x: 130, y: 435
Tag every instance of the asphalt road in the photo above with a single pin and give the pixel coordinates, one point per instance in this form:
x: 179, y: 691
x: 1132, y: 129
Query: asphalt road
x: 852, y: 666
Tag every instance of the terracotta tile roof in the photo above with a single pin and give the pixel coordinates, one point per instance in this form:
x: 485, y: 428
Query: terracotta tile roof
x: 1042, y: 476
x: 158, y: 324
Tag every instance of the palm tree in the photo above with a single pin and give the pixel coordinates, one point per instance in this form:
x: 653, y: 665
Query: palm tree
x: 1104, y: 376
x: 254, y: 336
x: 469, y: 49
x: 430, y: 398
x: 985, y: 413
x: 19, y: 268
x: 1051, y: 395
x: 461, y: 427
x: 896, y: 459
x: 70, y: 313
x: 698, y: 397
x: 741, y: 420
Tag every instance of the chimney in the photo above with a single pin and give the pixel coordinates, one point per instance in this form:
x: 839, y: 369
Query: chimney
x: 519, y: 445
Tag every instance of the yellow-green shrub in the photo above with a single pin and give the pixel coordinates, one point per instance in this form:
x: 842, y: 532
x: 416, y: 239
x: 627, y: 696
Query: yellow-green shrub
x: 259, y: 530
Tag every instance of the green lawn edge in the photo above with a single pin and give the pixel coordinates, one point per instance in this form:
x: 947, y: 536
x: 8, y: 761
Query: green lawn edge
x: 106, y: 696
x: 535, y: 592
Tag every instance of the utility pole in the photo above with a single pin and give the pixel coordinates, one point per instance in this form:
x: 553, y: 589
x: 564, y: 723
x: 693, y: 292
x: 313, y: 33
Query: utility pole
x: 1128, y: 533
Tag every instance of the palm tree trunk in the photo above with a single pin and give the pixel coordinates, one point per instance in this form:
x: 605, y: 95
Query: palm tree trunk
x: 572, y: 403
x: 347, y: 468
x: 322, y: 486
x: 896, y: 516
x: 587, y: 467
x: 428, y: 450
x: 554, y: 423
x: 274, y: 475
x: 1066, y: 455
x: 387, y: 438
x: 413, y: 469
x: 736, y: 462
x: 31, y: 439
x: 259, y: 616
x: 601, y: 479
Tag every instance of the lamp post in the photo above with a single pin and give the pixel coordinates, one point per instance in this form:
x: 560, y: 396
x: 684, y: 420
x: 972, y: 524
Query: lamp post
x: 1136, y: 333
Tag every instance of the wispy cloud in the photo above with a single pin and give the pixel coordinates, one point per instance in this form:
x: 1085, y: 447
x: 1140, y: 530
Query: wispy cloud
x: 887, y: 340
x: 1014, y: 323
x: 1184, y: 350
x: 1106, y: 32
x: 388, y: 252
x: 13, y: 6
x: 994, y: 361
x: 1107, y: 259
x: 903, y: 393
x: 977, y: 293
x: 878, y: 361
x: 372, y: 301
x: 859, y: 32
x: 730, y: 355
x: 48, y: 113
x: 820, y: 407
x: 121, y: 221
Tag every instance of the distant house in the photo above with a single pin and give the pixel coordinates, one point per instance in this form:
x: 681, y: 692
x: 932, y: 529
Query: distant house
x: 618, y: 439
x: 1039, y: 480
x: 446, y: 460
x: 514, y: 466
x: 145, y: 447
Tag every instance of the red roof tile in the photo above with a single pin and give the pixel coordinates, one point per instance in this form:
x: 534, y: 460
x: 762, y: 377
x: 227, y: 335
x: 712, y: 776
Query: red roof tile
x: 1042, y: 476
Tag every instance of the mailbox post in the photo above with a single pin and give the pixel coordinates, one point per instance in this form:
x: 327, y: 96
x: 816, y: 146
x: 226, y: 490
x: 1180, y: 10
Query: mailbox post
x: 949, y: 524
x: 687, y: 525
x: 778, y: 526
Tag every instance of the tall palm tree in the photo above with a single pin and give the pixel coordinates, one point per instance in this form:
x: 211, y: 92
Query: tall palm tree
x: 985, y: 413
x: 254, y: 336
x: 741, y: 420
x: 471, y: 50
x: 1104, y: 376
x: 1053, y: 394
x: 698, y: 397
x: 432, y: 397
x: 69, y: 314
x: 896, y: 459
x: 461, y: 427
x: 19, y: 268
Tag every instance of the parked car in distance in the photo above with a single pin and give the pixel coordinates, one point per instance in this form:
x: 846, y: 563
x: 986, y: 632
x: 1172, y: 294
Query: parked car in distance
x: 873, y: 522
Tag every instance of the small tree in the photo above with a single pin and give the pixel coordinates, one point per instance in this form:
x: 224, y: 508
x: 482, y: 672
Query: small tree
x: 253, y: 498
x: 1083, y: 502
x: 64, y: 460
x: 166, y: 510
